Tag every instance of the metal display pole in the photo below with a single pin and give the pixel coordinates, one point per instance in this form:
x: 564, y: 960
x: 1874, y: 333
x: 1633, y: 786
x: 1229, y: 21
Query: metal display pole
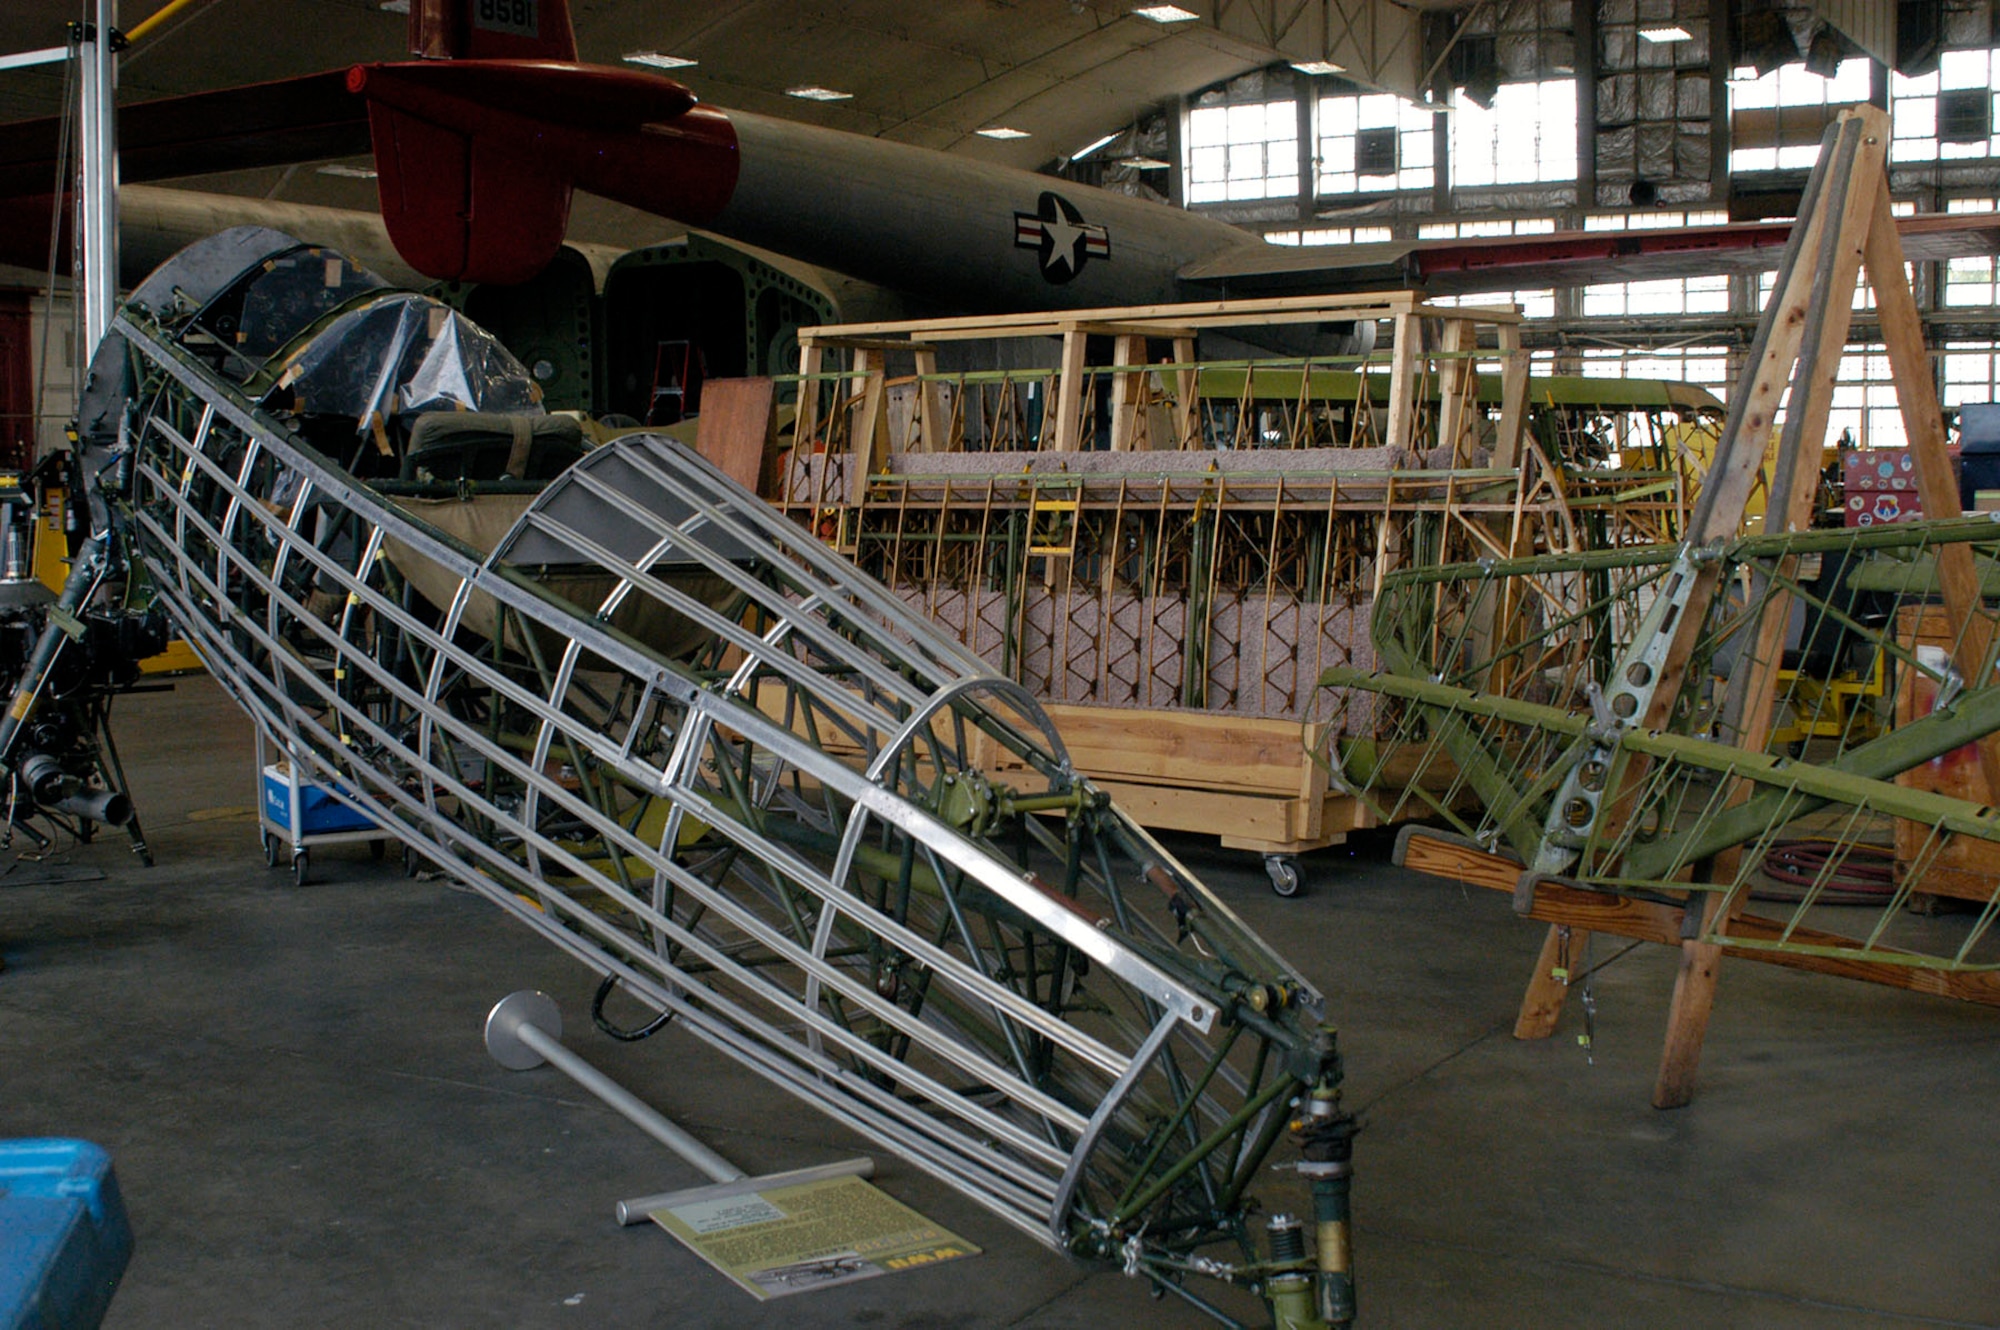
x: 524, y: 1030
x: 97, y: 194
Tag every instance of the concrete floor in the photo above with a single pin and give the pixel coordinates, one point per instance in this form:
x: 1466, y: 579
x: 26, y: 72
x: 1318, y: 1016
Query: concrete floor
x: 309, y: 1133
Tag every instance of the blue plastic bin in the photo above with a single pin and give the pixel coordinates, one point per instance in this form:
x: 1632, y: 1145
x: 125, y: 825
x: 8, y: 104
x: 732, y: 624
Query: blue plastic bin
x: 64, y: 1238
x: 319, y: 810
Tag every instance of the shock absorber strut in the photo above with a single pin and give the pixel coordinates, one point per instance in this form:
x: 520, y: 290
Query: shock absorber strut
x: 1325, y: 1133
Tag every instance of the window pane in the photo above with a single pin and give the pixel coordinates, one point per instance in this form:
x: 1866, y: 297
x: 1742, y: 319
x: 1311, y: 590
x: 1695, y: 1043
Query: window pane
x: 1529, y: 135
x: 1207, y: 126
x: 1342, y: 118
x: 1249, y: 151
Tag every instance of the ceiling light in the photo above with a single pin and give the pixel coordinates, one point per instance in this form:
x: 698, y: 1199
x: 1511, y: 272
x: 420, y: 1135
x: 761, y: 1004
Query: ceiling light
x: 394, y: 6
x: 1085, y: 152
x: 814, y: 93
x: 1165, y: 13
x: 351, y: 172
x: 1143, y: 163
x: 1671, y: 32
x: 1001, y: 132
x: 657, y: 60
x: 1318, y: 67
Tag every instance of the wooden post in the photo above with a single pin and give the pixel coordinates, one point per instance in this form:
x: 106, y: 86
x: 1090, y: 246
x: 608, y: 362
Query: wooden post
x: 1069, y: 393
x: 1458, y: 386
x: 1542, y: 1005
x: 869, y: 446
x: 1128, y: 390
x: 1187, y: 409
x: 811, y: 356
x: 1514, y: 367
x: 1835, y: 266
x: 930, y: 412
x: 1403, y: 379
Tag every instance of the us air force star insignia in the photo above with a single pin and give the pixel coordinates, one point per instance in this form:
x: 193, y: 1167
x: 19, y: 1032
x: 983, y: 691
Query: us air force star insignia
x: 1062, y: 240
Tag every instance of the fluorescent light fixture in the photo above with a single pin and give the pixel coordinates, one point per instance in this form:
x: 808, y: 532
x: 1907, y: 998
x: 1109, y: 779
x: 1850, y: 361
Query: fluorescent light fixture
x: 1670, y: 32
x: 1001, y: 132
x: 351, y: 172
x: 1081, y: 153
x: 814, y: 93
x: 394, y: 6
x: 1143, y: 163
x: 1165, y: 13
x: 656, y: 60
x: 1318, y: 67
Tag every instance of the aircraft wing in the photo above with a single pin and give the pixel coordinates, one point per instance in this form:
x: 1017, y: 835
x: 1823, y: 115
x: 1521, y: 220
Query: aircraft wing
x: 465, y: 197
x: 305, y: 119
x: 1563, y: 258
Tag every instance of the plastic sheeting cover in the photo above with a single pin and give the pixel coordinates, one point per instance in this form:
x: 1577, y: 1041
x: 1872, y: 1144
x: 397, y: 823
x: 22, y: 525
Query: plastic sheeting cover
x: 403, y: 355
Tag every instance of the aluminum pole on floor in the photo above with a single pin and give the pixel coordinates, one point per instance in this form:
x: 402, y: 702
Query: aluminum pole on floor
x: 524, y: 1030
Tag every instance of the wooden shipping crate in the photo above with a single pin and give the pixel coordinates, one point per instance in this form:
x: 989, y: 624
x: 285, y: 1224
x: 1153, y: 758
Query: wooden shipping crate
x: 1250, y: 782
x: 1967, y: 867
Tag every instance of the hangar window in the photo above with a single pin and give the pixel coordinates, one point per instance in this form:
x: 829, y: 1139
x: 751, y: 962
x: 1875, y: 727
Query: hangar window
x: 1775, y: 122
x: 1971, y: 373
x: 1492, y: 226
x: 1707, y: 366
x: 1374, y: 142
x: 1528, y: 135
x: 1864, y: 399
x: 1969, y: 281
x: 1247, y: 151
x: 1653, y: 219
x: 1947, y: 114
x: 1539, y: 304
x: 1670, y: 295
x: 1864, y: 294
x: 1331, y: 235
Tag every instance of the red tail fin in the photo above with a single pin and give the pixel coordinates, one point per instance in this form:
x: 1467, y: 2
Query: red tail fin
x: 491, y: 30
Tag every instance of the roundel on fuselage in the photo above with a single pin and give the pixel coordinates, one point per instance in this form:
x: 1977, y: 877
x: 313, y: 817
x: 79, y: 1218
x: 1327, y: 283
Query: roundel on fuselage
x: 1063, y: 242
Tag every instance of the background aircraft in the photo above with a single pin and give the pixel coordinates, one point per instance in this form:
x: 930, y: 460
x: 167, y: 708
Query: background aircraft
x: 481, y: 144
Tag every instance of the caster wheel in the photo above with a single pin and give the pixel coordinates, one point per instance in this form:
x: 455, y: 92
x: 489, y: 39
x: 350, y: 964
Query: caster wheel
x: 299, y: 869
x: 378, y: 850
x: 411, y: 864
x: 1284, y: 872
x: 270, y: 850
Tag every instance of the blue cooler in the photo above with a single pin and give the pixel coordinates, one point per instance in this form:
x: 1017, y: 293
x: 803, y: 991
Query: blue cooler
x: 64, y: 1239
x: 319, y: 811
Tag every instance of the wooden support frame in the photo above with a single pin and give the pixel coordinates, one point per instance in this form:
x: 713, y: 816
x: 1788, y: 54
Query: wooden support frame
x: 1845, y: 227
x: 1231, y: 649
x: 1582, y: 912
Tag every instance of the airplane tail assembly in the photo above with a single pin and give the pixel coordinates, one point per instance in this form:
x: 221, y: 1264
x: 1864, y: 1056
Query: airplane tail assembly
x: 678, y: 737
x: 492, y: 30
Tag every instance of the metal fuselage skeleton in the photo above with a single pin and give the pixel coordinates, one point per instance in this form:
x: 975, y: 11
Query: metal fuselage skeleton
x: 779, y: 836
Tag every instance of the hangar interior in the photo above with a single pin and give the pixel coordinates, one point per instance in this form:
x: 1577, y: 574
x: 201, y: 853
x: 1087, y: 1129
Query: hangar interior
x: 1042, y: 694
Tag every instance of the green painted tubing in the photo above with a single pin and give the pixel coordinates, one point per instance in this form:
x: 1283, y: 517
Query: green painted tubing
x: 1242, y: 1116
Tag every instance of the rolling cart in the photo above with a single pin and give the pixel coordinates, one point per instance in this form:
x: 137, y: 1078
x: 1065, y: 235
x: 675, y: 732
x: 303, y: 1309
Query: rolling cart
x: 298, y: 813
